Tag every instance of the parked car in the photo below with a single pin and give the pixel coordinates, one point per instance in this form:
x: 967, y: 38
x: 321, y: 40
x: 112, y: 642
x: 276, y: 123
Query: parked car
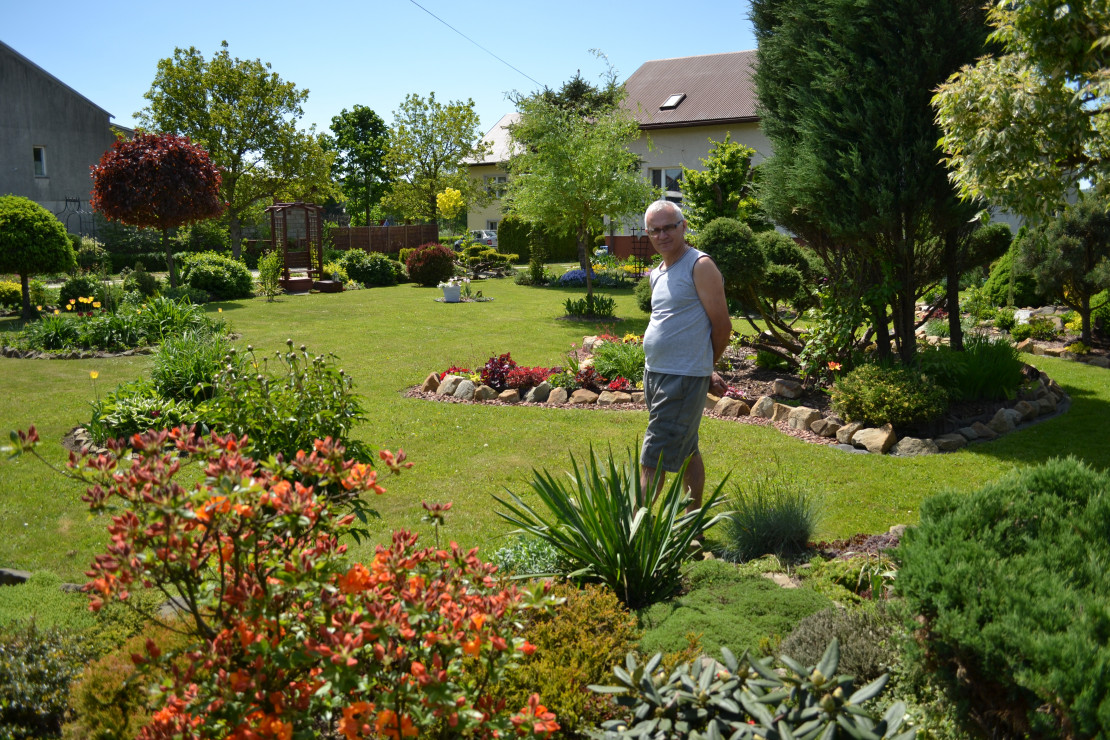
x: 480, y: 236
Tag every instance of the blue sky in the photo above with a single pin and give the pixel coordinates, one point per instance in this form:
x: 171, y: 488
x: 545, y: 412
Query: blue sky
x: 371, y: 53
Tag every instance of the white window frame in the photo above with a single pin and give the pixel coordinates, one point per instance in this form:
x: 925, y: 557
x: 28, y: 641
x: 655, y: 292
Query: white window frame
x: 496, y: 184
x: 491, y: 225
x: 38, y: 158
x: 658, y: 177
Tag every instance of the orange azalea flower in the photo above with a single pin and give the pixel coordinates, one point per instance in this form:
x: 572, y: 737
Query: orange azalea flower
x: 352, y: 725
x: 473, y: 647
x: 478, y: 620
x: 527, y: 648
x: 834, y: 365
x: 388, y: 726
x: 355, y: 580
x: 416, y: 583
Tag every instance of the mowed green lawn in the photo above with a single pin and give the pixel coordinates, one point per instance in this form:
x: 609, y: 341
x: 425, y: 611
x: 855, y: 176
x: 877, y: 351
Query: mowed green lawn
x: 389, y: 339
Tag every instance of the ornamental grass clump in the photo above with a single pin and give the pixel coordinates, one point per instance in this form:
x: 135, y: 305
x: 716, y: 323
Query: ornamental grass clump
x: 772, y: 515
x: 601, y: 525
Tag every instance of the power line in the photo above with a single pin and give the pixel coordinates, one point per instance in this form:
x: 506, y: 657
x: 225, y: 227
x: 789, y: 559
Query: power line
x: 533, y: 79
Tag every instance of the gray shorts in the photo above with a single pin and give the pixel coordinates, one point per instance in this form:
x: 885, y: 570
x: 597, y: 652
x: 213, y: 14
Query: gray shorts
x: 675, y: 405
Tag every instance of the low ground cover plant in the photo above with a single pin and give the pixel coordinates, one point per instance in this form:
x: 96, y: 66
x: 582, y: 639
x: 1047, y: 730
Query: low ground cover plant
x: 1009, y: 592
x: 219, y: 275
x: 370, y: 268
x: 602, y: 523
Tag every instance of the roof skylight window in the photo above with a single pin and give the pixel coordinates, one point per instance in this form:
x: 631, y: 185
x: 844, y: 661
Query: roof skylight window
x: 673, y: 102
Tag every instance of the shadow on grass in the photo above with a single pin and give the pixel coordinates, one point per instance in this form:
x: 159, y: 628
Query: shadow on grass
x: 1080, y: 432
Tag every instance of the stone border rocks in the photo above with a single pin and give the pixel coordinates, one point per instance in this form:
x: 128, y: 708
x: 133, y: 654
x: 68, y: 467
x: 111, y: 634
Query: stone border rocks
x: 1035, y: 403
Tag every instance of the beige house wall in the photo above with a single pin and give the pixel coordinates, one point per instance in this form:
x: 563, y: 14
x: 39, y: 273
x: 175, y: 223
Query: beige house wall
x: 669, y: 148
x: 477, y: 217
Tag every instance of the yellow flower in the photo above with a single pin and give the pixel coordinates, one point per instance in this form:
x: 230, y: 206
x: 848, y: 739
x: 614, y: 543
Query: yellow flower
x: 38, y: 308
x: 72, y: 301
x: 94, y: 374
x: 96, y: 304
x: 56, y: 312
x: 220, y: 310
x: 69, y: 306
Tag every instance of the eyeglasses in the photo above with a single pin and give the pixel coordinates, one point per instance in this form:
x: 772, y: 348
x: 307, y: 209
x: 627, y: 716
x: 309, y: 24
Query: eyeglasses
x: 664, y: 229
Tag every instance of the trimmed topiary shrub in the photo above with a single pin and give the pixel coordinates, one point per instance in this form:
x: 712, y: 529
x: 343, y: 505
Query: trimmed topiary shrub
x: 642, y: 293
x: 733, y: 246
x: 369, y: 268
x: 430, y: 264
x: 575, y: 647
x: 10, y: 294
x: 81, y: 286
x: 217, y: 274
x: 877, y: 395
x: 998, y: 287
x: 1009, y: 590
x: 32, y: 241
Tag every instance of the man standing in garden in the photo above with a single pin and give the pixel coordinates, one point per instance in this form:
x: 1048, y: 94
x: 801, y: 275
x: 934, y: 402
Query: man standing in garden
x: 689, y: 330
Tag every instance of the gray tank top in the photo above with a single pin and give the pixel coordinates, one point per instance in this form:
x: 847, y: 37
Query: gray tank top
x: 677, y: 340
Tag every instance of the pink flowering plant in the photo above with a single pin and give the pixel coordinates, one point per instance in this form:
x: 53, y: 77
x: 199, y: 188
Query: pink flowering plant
x: 286, y: 636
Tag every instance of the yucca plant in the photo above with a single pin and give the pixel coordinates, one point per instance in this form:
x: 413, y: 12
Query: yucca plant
x: 597, y: 521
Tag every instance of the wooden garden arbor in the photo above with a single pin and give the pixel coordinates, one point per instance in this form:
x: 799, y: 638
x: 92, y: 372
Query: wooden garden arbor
x: 298, y: 230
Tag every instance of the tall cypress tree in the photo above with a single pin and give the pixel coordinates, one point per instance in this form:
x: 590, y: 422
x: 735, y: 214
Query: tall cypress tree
x: 844, y: 88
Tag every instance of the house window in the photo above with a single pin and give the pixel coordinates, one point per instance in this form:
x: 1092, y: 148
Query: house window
x: 669, y: 180
x: 495, y: 186
x: 40, y: 161
x: 673, y: 101
x: 491, y: 225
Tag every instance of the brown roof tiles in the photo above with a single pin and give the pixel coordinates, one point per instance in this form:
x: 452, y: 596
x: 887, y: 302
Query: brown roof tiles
x: 717, y: 88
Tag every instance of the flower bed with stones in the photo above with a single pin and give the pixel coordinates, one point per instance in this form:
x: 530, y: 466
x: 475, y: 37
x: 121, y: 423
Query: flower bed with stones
x: 783, y: 404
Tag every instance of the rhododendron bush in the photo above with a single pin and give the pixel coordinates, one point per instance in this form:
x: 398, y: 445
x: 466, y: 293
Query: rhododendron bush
x: 288, y: 637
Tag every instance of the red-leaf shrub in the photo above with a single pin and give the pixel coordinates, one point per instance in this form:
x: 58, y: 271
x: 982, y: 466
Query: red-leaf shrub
x: 523, y: 378
x: 430, y: 264
x: 496, y: 369
x: 283, y: 630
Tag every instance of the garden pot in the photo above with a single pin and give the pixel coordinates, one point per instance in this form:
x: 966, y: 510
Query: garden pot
x: 452, y: 293
x: 328, y: 286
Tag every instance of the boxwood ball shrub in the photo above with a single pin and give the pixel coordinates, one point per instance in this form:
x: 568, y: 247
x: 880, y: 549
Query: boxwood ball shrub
x: 10, y: 294
x: 369, y: 268
x: 430, y: 264
x: 877, y: 395
x: 1008, y: 588
x: 219, y: 275
x: 32, y: 241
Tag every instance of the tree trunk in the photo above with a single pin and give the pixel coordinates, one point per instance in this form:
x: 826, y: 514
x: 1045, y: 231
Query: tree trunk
x: 169, y: 257
x: 952, y: 292
x: 235, y: 234
x: 584, y: 261
x: 904, y: 324
x: 26, y: 312
x: 882, y: 331
x: 1085, y: 317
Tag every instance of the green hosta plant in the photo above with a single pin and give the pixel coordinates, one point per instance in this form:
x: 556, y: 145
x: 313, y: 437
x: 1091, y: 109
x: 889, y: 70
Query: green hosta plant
x: 620, y: 360
x: 746, y: 699
x: 599, y: 523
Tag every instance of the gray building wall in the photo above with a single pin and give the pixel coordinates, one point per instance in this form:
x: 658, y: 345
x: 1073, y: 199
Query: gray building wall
x: 39, y: 110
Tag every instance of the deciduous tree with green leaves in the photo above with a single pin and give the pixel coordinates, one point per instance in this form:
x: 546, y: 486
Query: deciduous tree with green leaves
x: 1070, y: 256
x: 32, y: 241
x: 245, y: 116
x: 428, y: 144
x: 568, y: 171
x: 723, y: 188
x: 1024, y: 127
x: 159, y: 181
x: 360, y: 139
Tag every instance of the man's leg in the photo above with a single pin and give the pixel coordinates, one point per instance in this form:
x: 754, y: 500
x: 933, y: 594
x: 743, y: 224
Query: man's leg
x: 695, y: 480
x: 646, y: 476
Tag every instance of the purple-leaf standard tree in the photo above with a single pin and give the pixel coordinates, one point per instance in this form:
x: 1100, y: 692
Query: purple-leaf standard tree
x: 161, y: 181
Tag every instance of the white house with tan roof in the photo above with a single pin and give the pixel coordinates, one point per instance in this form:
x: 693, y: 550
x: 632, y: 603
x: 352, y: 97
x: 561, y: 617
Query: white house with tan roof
x: 681, y: 104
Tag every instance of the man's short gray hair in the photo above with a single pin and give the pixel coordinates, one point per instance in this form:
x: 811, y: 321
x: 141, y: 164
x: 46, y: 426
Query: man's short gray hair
x: 659, y: 205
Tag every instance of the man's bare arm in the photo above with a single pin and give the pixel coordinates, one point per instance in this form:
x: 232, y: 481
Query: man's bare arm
x: 711, y: 290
